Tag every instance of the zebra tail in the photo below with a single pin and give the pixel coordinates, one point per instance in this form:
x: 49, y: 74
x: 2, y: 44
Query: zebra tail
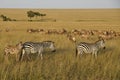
x: 76, y: 52
x: 20, y: 57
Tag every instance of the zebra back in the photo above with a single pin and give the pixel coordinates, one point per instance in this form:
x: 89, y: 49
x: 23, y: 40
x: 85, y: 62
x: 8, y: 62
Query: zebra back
x: 84, y: 47
x: 36, y: 47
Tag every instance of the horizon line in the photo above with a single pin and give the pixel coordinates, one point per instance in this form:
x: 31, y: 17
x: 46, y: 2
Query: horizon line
x: 59, y: 8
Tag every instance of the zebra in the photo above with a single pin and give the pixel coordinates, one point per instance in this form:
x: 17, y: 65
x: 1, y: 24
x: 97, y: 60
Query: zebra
x: 36, y: 47
x: 93, y: 48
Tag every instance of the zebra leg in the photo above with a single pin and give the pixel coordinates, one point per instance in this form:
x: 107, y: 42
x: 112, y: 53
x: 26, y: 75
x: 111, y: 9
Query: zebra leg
x: 80, y: 52
x: 28, y: 57
x: 40, y: 54
x: 95, y: 54
x: 21, y: 55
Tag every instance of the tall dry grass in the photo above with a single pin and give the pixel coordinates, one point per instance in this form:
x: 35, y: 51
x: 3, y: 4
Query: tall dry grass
x: 61, y: 65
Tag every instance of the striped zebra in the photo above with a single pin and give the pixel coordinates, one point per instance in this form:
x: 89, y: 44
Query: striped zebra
x: 93, y: 48
x: 36, y: 47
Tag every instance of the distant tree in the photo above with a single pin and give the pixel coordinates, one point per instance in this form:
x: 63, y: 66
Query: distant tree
x: 37, y: 14
x: 6, y: 18
x: 30, y: 14
x: 14, y: 20
x: 3, y: 17
x: 42, y: 15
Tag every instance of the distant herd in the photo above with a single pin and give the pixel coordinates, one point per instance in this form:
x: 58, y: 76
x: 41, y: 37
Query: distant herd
x: 83, y: 33
x: 27, y: 48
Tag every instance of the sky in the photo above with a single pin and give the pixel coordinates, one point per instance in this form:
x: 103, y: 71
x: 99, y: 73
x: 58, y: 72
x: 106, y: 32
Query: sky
x: 55, y: 4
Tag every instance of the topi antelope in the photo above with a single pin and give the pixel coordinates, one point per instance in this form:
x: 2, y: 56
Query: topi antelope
x: 13, y: 50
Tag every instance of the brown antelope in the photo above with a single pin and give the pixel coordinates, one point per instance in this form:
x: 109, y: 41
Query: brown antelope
x: 52, y: 31
x: 118, y: 34
x: 71, y: 38
x: 33, y: 30
x: 62, y: 31
x: 7, y: 30
x: 75, y: 32
x: 85, y: 36
x: 106, y: 37
x: 13, y: 50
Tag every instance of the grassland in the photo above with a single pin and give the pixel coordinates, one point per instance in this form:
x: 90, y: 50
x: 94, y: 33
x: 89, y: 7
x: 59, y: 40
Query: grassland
x: 61, y: 65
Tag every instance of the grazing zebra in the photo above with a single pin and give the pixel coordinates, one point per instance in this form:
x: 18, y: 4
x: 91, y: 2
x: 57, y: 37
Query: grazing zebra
x: 93, y: 48
x: 36, y: 47
x: 10, y: 49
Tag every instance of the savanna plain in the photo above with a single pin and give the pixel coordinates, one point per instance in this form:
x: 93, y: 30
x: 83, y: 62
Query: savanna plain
x: 63, y: 64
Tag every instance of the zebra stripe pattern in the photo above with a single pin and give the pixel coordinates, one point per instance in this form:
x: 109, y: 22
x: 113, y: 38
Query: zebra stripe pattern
x: 93, y: 48
x: 36, y: 47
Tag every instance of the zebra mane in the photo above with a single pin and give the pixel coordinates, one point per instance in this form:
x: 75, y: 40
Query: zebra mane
x: 100, y: 40
x: 48, y: 41
x: 97, y: 41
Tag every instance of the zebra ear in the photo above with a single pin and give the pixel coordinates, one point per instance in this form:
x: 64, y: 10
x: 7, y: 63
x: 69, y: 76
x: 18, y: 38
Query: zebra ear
x: 100, y: 38
x: 52, y: 41
x: 21, y: 42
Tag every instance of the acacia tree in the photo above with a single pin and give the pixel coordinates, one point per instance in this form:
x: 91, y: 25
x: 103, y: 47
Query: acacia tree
x: 42, y: 15
x: 37, y: 14
x: 30, y: 14
x: 3, y: 17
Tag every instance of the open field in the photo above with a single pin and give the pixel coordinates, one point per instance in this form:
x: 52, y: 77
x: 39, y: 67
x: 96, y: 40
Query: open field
x: 61, y: 65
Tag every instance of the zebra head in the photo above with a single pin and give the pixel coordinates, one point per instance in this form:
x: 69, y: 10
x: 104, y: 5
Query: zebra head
x: 101, y: 43
x: 50, y: 45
